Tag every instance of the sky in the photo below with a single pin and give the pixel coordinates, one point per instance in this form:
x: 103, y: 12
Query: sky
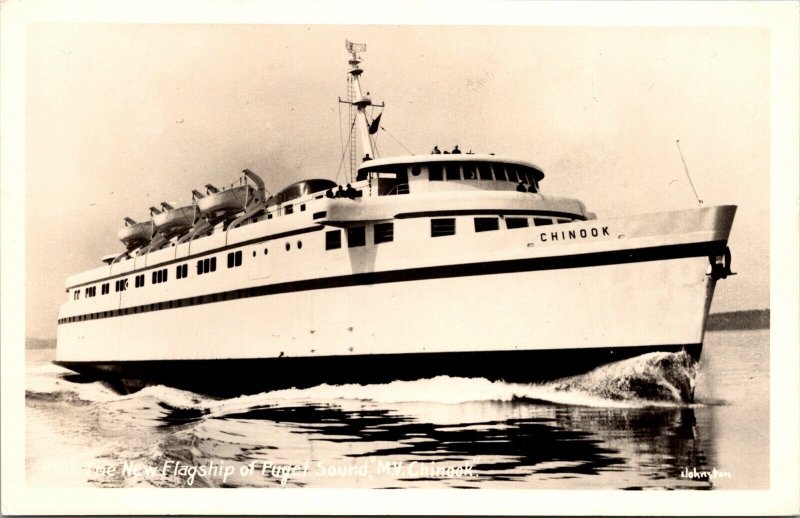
x: 120, y: 117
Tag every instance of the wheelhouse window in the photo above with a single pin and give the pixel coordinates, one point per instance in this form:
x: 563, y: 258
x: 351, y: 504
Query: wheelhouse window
x: 469, y: 171
x: 511, y: 172
x: 384, y: 232
x: 443, y: 227
x: 563, y: 220
x: 452, y: 171
x: 333, y: 239
x: 486, y: 224
x: 512, y: 223
x: 435, y: 172
x: 542, y: 221
x: 484, y: 171
x: 356, y: 236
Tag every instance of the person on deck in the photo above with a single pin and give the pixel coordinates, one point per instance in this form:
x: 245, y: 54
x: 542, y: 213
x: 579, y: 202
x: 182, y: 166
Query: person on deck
x: 436, y: 151
x: 456, y: 151
x: 350, y: 192
x: 340, y: 192
x: 521, y: 187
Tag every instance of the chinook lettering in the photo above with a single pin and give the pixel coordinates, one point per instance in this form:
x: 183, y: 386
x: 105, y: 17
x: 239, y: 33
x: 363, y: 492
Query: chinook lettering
x: 566, y: 235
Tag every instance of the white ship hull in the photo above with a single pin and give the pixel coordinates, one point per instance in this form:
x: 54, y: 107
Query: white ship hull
x: 638, y: 284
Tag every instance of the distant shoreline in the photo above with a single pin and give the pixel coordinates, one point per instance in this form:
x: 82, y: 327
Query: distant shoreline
x: 727, y: 321
x: 738, y: 320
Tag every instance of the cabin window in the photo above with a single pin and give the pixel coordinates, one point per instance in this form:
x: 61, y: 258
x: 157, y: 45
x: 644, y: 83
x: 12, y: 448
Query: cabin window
x: 121, y: 285
x: 104, y: 289
x: 235, y: 259
x: 289, y: 209
x: 356, y: 236
x: 384, y: 232
x: 435, y: 172
x: 333, y: 239
x: 415, y: 170
x: 302, y: 207
x: 159, y: 276
x: 138, y: 281
x: 182, y: 271
x: 511, y: 172
x: 443, y: 227
x: 76, y: 294
x: 469, y: 171
x: 485, y: 171
x: 452, y: 171
x: 512, y: 223
x: 206, y: 265
x: 486, y: 224
x: 542, y: 221
x: 499, y: 173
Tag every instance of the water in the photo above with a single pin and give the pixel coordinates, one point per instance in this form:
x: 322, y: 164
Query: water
x: 627, y: 425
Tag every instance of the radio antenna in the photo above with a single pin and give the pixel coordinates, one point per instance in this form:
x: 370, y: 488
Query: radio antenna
x: 685, y: 168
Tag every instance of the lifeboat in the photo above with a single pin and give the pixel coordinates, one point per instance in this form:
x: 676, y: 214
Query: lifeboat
x: 224, y: 202
x: 133, y: 234
x: 173, y: 220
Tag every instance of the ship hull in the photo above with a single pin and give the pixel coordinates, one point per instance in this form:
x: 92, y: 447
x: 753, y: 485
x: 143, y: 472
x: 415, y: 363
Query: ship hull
x: 539, y: 304
x: 233, y: 377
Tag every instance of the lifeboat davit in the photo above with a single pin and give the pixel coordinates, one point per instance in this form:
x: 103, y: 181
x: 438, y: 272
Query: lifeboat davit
x: 229, y: 201
x: 133, y: 234
x: 172, y: 220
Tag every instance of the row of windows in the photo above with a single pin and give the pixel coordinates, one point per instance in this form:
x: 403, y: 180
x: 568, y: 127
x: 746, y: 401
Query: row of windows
x: 447, y: 226
x: 438, y: 172
x: 207, y: 265
x: 159, y: 276
x: 356, y: 236
x: 235, y: 259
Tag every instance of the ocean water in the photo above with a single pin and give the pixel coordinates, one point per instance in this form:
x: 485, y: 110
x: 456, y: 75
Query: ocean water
x: 628, y: 425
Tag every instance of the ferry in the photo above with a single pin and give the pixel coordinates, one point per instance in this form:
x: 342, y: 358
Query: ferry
x: 442, y: 263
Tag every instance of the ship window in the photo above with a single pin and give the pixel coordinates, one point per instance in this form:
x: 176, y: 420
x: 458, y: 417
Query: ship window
x: 289, y: 209
x: 76, y: 294
x: 200, y: 267
x: 288, y: 246
x: 443, y: 227
x: 415, y: 170
x: 563, y: 220
x: 542, y: 221
x: 469, y: 171
x: 435, y: 172
x: 266, y: 251
x: 104, y: 289
x: 486, y: 224
x: 155, y: 278
x: 235, y: 259
x: 384, y: 232
x: 499, y: 173
x: 182, y: 271
x: 299, y: 245
x: 525, y: 176
x: 213, y: 264
x: 484, y: 171
x: 511, y: 171
x: 254, y: 253
x: 452, y: 171
x: 333, y: 239
x: 356, y: 236
x: 302, y: 207
x: 516, y: 223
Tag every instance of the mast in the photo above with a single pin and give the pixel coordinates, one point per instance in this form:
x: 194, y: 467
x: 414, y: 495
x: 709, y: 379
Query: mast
x: 358, y: 104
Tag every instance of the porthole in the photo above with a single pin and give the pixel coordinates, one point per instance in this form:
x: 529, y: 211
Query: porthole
x: 299, y: 244
x: 254, y: 253
x: 288, y: 246
x: 415, y: 170
x: 266, y: 251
